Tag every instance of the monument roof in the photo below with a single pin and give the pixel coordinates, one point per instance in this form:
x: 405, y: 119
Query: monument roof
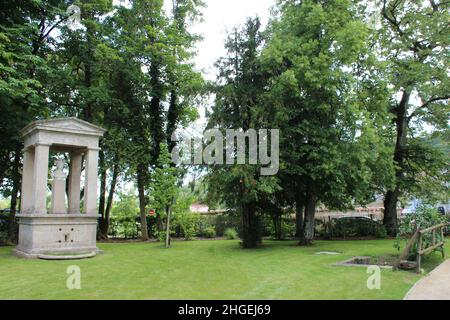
x: 69, y: 125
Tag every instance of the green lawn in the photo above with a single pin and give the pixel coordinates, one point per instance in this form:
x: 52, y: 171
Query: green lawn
x: 207, y: 270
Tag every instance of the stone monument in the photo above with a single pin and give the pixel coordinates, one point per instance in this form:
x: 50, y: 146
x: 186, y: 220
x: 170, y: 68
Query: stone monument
x: 66, y: 231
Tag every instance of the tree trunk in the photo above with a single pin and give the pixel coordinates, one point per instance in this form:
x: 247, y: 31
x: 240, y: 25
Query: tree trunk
x: 172, y: 119
x: 390, y: 212
x: 142, y: 201
x: 251, y: 233
x: 169, y: 213
x: 105, y: 227
x: 276, y: 220
x: 299, y: 210
x: 102, y: 199
x: 391, y: 197
x: 16, y: 177
x: 309, y: 222
x: 156, y: 111
x: 87, y: 113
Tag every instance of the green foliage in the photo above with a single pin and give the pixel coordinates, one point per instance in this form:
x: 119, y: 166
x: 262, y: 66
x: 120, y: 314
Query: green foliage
x: 425, y: 216
x: 238, y: 91
x: 312, y: 97
x: 427, y: 175
x: 380, y: 231
x: 320, y: 94
x: 164, y: 190
x: 209, y: 232
x: 204, y: 222
x: 4, y: 218
x: 160, y: 235
x: 223, y: 222
x: 119, y: 70
x: 231, y: 234
x: 414, y: 40
x: 164, y: 187
x: 329, y: 79
x: 123, y: 217
x: 283, y: 228
x: 357, y: 227
x: 187, y: 224
x: 322, y: 229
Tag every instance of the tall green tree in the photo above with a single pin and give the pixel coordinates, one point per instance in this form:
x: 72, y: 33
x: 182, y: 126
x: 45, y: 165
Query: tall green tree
x: 154, y: 70
x: 185, y: 83
x: 238, y: 90
x: 414, y: 41
x: 312, y: 53
x: 25, y: 43
x: 79, y: 86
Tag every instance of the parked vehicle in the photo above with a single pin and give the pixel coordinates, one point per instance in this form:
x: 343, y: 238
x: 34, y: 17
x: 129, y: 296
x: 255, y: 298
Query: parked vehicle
x: 443, y: 209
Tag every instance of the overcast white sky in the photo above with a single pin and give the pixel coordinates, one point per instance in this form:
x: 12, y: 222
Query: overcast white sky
x: 219, y: 17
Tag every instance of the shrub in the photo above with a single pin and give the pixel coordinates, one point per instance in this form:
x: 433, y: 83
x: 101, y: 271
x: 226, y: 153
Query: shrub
x: 380, y: 231
x: 288, y: 228
x: 3, y: 238
x: 285, y: 227
x: 186, y: 224
x: 4, y: 218
x: 223, y: 222
x: 357, y: 227
x: 125, y: 217
x: 209, y: 232
x: 320, y: 228
x: 124, y: 226
x: 231, y: 234
x: 159, y: 235
x: 4, y: 228
x: 424, y: 217
x: 204, y: 222
x: 219, y: 222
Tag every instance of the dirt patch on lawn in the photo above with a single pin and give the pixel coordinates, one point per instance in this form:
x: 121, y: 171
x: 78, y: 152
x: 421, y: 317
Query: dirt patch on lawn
x: 387, y: 261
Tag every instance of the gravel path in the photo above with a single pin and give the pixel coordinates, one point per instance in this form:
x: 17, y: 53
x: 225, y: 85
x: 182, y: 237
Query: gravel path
x: 435, y: 286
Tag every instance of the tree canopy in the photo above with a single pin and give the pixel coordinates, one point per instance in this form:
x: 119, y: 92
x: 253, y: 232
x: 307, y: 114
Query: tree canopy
x: 358, y: 94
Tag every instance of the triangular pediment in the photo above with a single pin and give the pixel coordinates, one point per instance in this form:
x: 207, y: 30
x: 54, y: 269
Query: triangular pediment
x: 73, y: 125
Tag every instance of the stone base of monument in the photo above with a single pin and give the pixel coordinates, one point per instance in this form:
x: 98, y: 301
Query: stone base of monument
x: 57, y: 236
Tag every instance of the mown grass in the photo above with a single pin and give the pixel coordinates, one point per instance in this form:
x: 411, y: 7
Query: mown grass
x: 208, y: 270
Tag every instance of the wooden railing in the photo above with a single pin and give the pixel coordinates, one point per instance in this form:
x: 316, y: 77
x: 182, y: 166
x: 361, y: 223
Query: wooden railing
x: 434, y: 244
x: 418, y: 238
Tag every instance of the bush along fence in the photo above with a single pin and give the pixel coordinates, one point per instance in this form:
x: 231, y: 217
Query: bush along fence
x: 190, y: 226
x: 185, y: 225
x: 349, y: 227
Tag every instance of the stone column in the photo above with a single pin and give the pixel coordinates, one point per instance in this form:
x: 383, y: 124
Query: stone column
x: 40, y: 175
x: 75, y: 182
x: 59, y: 189
x: 26, y: 196
x: 90, y: 184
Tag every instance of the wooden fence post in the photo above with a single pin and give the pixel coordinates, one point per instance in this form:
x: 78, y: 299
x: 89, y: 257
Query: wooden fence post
x: 419, y: 254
